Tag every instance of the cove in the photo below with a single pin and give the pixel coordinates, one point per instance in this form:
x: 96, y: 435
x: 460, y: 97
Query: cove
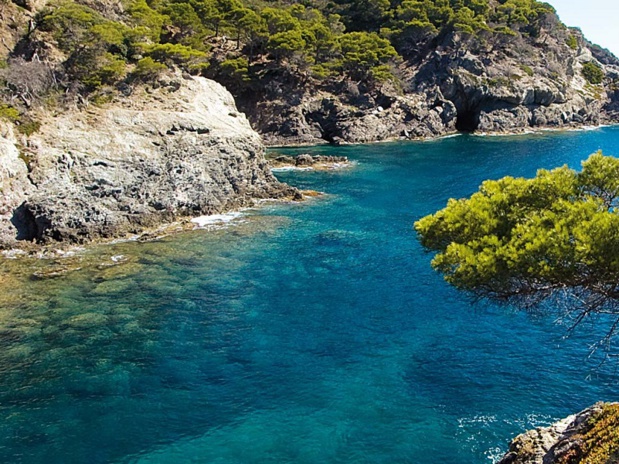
x: 301, y: 333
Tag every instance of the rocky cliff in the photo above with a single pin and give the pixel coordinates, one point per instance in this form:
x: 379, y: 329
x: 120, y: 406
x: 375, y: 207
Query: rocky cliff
x: 591, y: 436
x: 180, y: 150
x: 458, y: 83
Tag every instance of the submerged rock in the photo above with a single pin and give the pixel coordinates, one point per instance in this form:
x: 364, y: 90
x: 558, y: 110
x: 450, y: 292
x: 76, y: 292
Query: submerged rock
x: 181, y: 150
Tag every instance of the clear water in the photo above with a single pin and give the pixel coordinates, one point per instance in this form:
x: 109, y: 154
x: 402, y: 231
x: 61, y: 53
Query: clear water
x: 306, y: 333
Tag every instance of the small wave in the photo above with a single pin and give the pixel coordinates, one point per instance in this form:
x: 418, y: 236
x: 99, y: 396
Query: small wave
x: 216, y: 219
x: 481, y: 419
x: 315, y: 167
x: 71, y: 252
x: 494, y: 454
x: 450, y: 136
x: 132, y: 238
x: 291, y: 168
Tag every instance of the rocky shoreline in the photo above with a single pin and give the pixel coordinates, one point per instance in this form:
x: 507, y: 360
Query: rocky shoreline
x: 182, y: 150
x: 458, y: 85
x: 568, y: 440
x: 307, y: 161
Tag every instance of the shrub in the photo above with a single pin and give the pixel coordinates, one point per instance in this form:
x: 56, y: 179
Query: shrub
x: 108, y: 71
x: 593, y: 73
x: 8, y: 112
x: 29, y: 127
x: 600, y: 443
x: 527, y: 70
x: 572, y: 42
x: 235, y: 70
x: 171, y: 54
x: 148, y: 69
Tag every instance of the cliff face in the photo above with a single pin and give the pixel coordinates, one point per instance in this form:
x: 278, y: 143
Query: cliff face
x: 503, y: 84
x: 183, y: 149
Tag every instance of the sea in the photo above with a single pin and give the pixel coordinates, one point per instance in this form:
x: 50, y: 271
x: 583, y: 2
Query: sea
x: 309, y: 332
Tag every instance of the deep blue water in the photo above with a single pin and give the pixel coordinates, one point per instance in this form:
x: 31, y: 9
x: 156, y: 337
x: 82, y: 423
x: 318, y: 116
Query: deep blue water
x: 304, y: 333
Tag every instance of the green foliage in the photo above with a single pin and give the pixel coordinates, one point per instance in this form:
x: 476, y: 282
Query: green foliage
x: 527, y: 70
x: 24, y: 125
x: 504, y: 30
x: 146, y: 21
x: 284, y: 44
x: 592, y: 73
x: 148, y: 69
x: 8, y: 112
x: 29, y: 127
x: 527, y: 240
x: 171, y: 54
x: 96, y: 47
x: 361, y: 52
x: 572, y: 42
x: 598, y: 443
x: 111, y: 69
x: 466, y: 20
x: 184, y: 18
x: 366, y: 15
x: 323, y: 40
x: 235, y: 71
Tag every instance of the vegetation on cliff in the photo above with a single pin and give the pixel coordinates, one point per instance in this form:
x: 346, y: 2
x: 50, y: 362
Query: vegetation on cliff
x: 88, y: 49
x: 599, y: 442
x: 590, y: 436
x: 553, y: 238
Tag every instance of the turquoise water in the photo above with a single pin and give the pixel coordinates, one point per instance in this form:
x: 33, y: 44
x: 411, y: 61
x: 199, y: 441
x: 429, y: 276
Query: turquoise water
x: 305, y: 333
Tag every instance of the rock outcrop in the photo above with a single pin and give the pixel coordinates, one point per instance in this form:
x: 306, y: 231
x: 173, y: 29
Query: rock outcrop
x: 565, y: 440
x: 305, y: 161
x: 504, y: 85
x: 180, y: 150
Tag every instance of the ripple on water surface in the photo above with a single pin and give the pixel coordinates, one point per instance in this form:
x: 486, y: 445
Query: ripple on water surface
x: 302, y: 333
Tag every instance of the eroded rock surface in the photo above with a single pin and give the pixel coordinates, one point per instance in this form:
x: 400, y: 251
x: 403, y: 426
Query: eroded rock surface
x: 459, y: 84
x: 308, y: 161
x: 181, y: 150
x: 554, y: 444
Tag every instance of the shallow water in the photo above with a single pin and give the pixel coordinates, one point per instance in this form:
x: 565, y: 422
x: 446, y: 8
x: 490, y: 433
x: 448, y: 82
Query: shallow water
x: 303, y: 333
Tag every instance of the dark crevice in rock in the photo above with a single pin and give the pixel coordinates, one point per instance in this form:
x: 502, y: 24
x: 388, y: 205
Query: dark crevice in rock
x: 24, y: 221
x: 326, y: 123
x: 467, y: 120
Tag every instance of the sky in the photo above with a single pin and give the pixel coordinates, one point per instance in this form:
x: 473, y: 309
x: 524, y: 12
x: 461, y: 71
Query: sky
x: 598, y: 19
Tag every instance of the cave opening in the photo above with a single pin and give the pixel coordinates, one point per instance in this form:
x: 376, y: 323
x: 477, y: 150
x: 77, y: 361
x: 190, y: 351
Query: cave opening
x: 25, y: 223
x: 467, y: 121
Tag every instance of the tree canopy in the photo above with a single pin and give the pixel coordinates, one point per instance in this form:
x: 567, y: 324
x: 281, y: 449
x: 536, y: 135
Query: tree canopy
x: 316, y: 42
x: 551, y: 238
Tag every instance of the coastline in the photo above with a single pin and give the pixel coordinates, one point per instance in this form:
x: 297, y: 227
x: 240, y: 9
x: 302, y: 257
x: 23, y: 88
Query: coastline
x: 527, y: 131
x: 216, y: 221
x: 186, y: 223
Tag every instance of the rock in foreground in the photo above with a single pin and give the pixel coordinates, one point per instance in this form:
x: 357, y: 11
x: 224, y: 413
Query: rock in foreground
x: 591, y: 436
x: 180, y: 150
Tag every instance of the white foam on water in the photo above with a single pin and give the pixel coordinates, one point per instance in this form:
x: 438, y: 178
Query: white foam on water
x: 495, y: 454
x: 450, y: 136
x: 291, y: 168
x: 70, y: 252
x: 216, y: 219
x: 132, y: 238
